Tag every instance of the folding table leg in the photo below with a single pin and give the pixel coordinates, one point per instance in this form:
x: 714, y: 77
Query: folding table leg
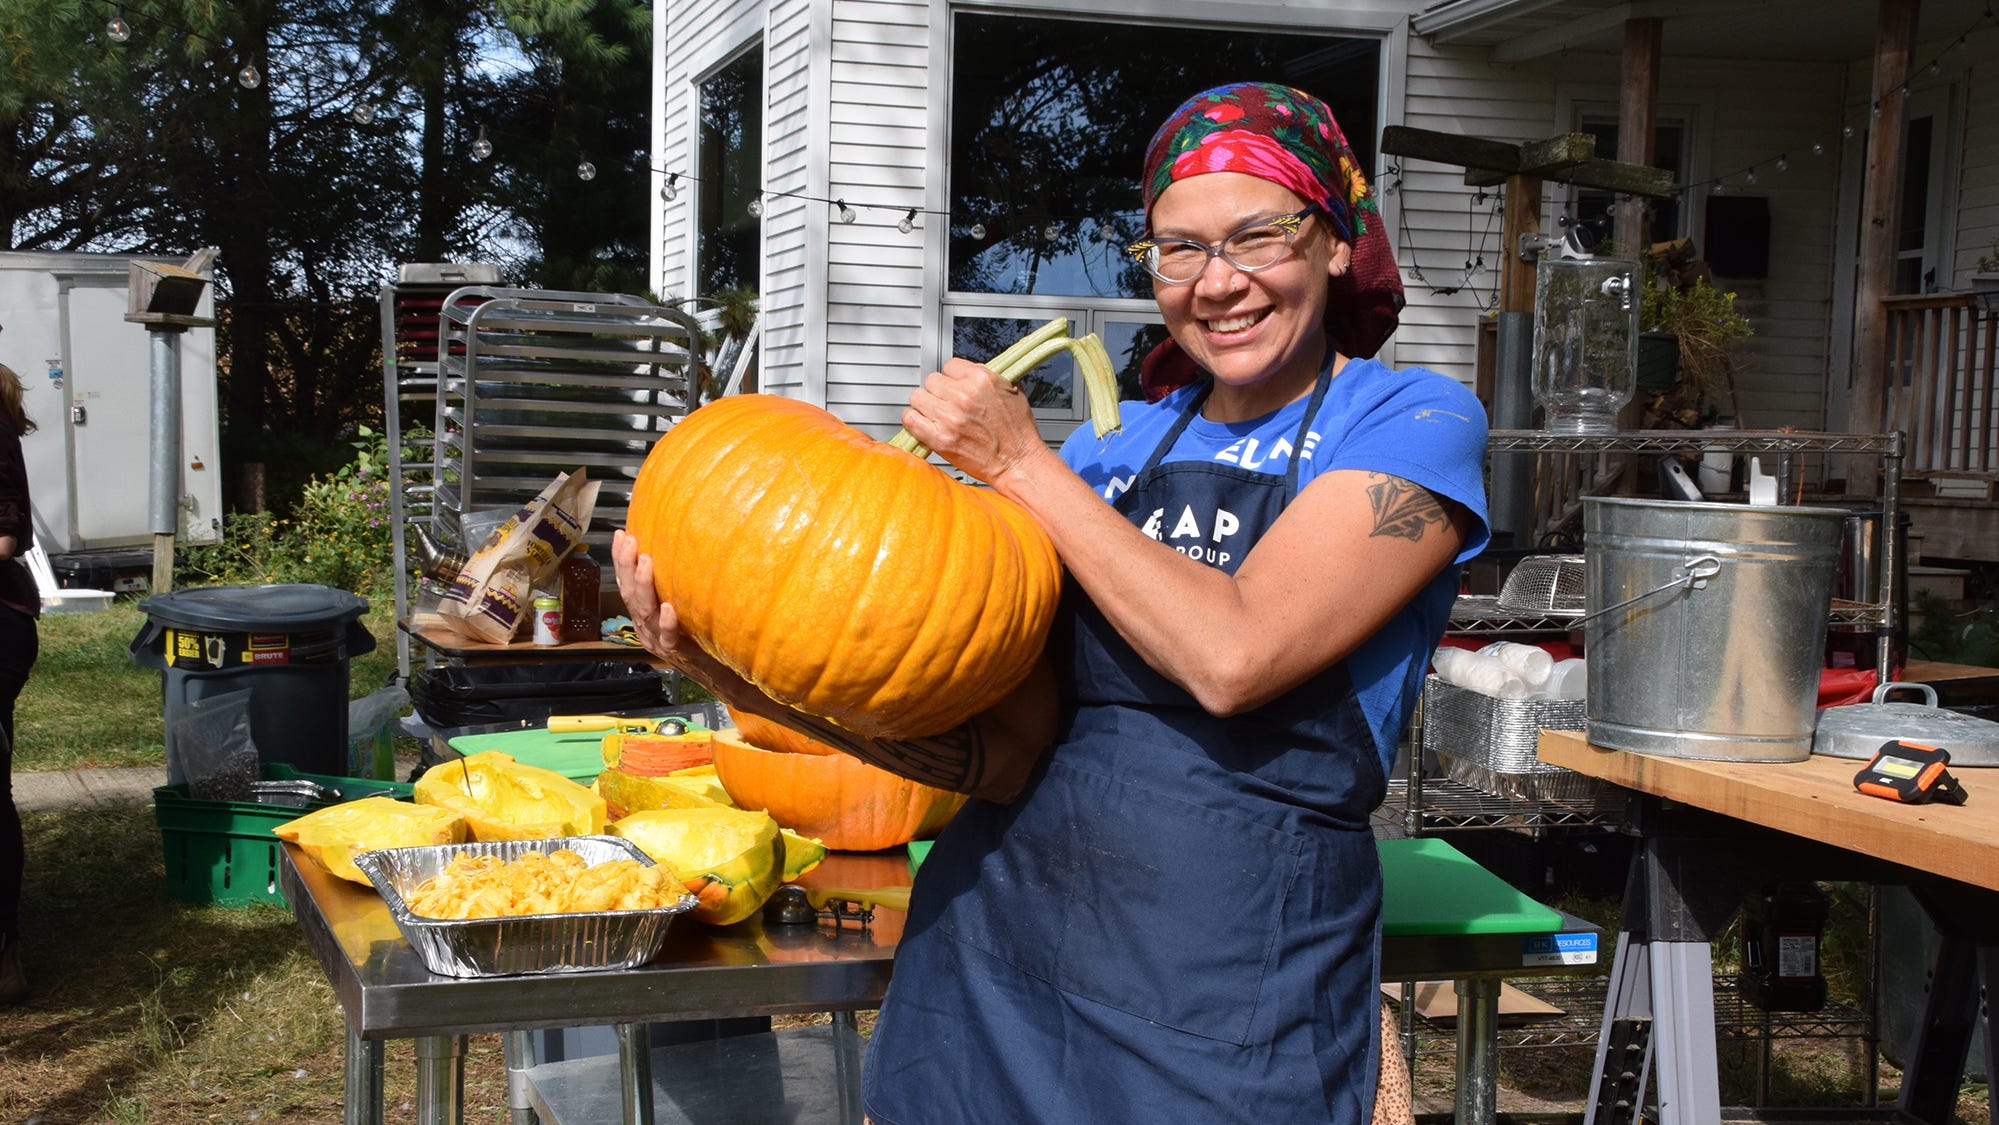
x: 1478, y: 1051
x: 1624, y: 1047
x: 1683, y: 1022
x: 361, y: 1093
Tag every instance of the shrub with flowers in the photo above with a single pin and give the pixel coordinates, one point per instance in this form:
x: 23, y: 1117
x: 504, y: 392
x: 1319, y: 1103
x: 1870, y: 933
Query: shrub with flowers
x: 337, y: 534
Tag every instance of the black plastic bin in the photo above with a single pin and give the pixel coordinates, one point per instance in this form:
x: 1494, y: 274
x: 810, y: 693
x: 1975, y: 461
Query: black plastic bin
x: 288, y: 645
x: 478, y: 695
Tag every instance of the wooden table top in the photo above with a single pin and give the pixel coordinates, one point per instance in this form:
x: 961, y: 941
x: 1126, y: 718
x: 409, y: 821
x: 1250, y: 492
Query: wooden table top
x: 1814, y: 799
x: 433, y: 632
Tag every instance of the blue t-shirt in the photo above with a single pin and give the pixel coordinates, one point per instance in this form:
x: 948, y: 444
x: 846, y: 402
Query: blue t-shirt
x: 1415, y: 424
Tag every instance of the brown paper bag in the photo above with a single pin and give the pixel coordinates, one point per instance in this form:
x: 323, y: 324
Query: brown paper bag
x: 491, y: 596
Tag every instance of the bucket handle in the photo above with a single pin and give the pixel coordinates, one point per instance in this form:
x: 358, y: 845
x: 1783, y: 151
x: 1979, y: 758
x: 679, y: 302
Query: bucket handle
x: 1698, y: 570
x: 1883, y: 691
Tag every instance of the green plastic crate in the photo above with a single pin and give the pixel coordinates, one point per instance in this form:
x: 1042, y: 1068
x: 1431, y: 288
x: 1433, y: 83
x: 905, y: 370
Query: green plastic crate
x: 222, y: 853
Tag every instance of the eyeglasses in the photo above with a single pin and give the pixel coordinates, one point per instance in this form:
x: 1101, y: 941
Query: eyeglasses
x: 1252, y: 247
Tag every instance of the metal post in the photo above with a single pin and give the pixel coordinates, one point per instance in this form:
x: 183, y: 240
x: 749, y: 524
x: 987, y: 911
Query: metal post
x: 1512, y: 500
x: 1478, y: 1060
x: 635, y: 1073
x: 361, y: 1094
x: 440, y: 1079
x: 164, y: 466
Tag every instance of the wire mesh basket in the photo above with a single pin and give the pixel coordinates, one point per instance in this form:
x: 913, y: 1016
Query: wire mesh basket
x: 1546, y: 584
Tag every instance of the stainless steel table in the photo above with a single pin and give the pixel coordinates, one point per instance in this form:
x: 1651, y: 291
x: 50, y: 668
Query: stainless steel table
x: 704, y: 972
x: 1444, y: 918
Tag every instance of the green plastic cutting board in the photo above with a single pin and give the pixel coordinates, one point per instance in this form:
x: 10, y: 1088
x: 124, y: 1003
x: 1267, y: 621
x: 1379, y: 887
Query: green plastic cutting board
x: 1430, y: 887
x: 576, y: 755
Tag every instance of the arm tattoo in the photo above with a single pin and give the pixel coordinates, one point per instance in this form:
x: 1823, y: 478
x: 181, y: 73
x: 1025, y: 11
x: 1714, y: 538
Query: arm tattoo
x: 954, y: 760
x: 1402, y: 509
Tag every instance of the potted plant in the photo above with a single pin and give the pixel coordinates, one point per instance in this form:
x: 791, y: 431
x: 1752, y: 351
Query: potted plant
x: 1985, y: 279
x: 1678, y: 302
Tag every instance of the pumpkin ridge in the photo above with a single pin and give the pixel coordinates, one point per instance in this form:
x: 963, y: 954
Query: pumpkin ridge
x: 913, y: 501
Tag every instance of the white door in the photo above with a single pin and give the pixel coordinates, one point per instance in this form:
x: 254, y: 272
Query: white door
x: 110, y: 420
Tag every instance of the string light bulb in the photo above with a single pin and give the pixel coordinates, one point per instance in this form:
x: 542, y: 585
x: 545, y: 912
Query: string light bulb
x: 908, y: 222
x: 1783, y: 163
x: 1107, y: 232
x: 1750, y: 179
x: 248, y: 78
x: 586, y: 171
x: 668, y: 190
x: 1720, y: 187
x: 978, y: 232
x: 482, y: 148
x: 116, y: 28
x: 1818, y: 148
x: 1846, y: 130
x: 845, y: 213
x: 757, y: 206
x: 364, y: 113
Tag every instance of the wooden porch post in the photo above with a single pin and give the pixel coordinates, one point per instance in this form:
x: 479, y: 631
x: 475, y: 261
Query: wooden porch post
x: 1879, y: 210
x: 1637, y: 119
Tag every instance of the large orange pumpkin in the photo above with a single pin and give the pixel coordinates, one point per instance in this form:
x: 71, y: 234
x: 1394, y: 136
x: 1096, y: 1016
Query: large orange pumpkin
x: 845, y: 802
x: 839, y: 574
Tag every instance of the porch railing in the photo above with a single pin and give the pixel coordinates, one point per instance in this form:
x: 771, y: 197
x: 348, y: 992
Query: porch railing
x: 1943, y: 384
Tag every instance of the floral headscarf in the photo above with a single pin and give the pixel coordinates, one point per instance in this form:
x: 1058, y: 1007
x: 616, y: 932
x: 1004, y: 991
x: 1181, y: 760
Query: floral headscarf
x: 1288, y: 137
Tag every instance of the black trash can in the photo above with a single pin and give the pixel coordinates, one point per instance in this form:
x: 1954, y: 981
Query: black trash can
x: 287, y: 645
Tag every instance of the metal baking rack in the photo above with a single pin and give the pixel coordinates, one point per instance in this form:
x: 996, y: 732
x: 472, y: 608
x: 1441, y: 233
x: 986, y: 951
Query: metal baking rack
x: 532, y: 383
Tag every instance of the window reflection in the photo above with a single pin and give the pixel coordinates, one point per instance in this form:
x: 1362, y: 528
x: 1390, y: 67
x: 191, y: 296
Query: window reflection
x: 1049, y: 124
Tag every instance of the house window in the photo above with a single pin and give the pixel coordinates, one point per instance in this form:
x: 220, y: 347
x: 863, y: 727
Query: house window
x: 1049, y: 123
x: 1668, y: 217
x: 729, y: 157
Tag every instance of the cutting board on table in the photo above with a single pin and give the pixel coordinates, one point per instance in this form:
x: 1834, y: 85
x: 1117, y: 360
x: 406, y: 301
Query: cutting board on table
x: 576, y: 755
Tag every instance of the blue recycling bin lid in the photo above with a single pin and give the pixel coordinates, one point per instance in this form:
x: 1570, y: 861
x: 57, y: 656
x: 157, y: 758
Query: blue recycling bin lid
x: 270, y: 609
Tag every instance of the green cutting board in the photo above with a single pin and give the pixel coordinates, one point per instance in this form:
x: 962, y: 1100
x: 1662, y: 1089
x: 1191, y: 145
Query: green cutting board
x: 1430, y: 887
x: 576, y: 755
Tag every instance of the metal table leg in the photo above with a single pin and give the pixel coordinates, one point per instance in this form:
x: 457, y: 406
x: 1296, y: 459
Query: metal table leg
x: 519, y: 1052
x: 1478, y: 1051
x: 635, y: 1072
x: 361, y: 1087
x: 440, y: 1079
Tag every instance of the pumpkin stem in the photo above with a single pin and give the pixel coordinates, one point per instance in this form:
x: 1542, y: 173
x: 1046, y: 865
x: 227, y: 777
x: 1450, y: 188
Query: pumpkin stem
x: 1093, y: 364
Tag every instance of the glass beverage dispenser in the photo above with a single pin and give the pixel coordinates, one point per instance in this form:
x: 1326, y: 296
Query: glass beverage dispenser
x: 1585, y: 341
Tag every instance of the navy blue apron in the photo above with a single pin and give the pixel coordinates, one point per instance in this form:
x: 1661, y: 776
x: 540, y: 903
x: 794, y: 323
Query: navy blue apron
x: 1177, y: 919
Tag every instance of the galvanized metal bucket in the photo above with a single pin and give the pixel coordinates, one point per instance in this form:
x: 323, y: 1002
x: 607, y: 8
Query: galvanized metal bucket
x: 1706, y: 626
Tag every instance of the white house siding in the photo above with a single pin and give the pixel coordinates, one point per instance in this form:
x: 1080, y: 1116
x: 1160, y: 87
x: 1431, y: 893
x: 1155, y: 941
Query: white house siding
x: 1753, y: 112
x: 880, y: 152
x: 848, y: 316
x: 793, y: 230
x: 1977, y: 188
x: 696, y: 37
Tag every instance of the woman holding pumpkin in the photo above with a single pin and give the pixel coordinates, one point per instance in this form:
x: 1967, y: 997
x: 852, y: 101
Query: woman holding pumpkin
x: 1175, y: 919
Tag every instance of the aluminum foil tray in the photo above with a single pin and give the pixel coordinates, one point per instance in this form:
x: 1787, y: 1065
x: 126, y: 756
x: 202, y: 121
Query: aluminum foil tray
x: 1499, y: 734
x: 526, y: 944
x: 1563, y: 787
x: 1491, y: 744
